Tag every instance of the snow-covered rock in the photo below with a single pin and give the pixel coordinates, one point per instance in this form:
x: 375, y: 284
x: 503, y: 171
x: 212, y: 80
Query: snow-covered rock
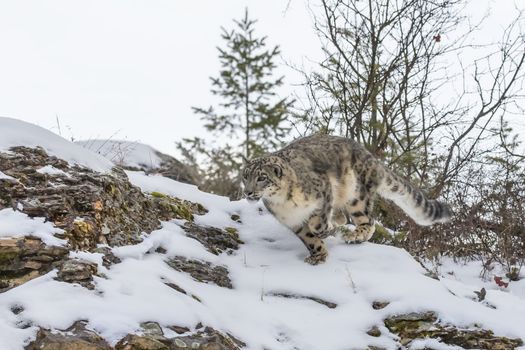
x: 14, y: 132
x: 138, y: 156
x: 125, y: 153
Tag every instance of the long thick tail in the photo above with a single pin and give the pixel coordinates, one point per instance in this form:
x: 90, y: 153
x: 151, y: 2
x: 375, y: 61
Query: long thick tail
x: 413, y: 202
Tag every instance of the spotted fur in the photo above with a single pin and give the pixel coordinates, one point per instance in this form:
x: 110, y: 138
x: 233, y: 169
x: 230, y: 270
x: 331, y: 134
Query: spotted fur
x: 319, y: 182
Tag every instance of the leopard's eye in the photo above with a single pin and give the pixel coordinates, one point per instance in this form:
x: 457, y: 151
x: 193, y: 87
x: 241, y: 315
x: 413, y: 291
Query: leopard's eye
x: 261, y: 178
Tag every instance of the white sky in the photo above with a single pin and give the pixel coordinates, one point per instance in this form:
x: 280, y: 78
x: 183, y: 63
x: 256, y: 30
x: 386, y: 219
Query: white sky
x: 135, y: 68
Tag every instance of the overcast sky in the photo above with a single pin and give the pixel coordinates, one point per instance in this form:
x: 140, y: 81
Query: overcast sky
x: 132, y: 69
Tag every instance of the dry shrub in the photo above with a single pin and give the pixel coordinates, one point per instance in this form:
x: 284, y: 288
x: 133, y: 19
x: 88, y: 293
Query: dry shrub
x: 488, y: 222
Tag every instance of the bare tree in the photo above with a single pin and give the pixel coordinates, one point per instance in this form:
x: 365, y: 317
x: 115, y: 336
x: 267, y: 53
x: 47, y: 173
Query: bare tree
x: 387, y: 64
x: 498, y: 83
x: 408, y: 80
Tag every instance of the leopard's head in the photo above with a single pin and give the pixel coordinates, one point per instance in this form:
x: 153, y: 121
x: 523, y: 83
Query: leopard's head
x: 262, y: 177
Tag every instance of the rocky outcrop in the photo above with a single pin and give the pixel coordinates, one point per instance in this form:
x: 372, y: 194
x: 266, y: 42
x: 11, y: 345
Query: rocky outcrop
x: 108, y: 258
x: 140, y: 157
x: 425, y: 325
x: 76, y: 337
x: 77, y: 271
x: 206, y: 339
x: 171, y: 207
x: 214, y: 239
x: 173, y: 169
x: 91, y: 208
x: 22, y: 259
x: 138, y: 342
x: 202, y: 271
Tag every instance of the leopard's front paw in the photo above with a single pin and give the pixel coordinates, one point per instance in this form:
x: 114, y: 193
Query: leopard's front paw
x: 362, y: 233
x: 316, y: 259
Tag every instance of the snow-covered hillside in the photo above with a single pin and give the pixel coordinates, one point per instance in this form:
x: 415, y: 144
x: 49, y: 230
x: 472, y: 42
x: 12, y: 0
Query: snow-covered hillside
x: 131, y: 154
x: 138, y: 156
x: 15, y: 132
x: 276, y: 301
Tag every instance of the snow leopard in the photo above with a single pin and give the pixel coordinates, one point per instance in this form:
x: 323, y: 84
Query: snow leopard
x: 320, y: 182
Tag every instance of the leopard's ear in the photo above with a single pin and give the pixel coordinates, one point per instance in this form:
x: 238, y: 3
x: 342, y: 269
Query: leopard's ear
x: 277, y: 170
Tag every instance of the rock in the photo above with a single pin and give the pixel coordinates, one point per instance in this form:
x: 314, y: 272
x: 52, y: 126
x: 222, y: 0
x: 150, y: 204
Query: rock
x: 152, y: 329
x: 328, y: 304
x: 202, y: 271
x: 374, y: 332
x: 161, y: 250
x: 91, y: 207
x: 378, y: 305
x: 172, y: 207
x: 214, y: 239
x: 180, y: 290
x: 140, y: 157
x: 77, y: 337
x: 109, y: 258
x: 25, y: 258
x: 17, y: 309
x: 176, y: 287
x: 140, y: 342
x: 179, y: 329
x: 79, y: 200
x: 481, y: 294
x: 236, y: 218
x: 208, y: 339
x: 425, y: 325
x: 428, y: 316
x: 77, y: 271
x: 83, y: 233
x: 173, y: 169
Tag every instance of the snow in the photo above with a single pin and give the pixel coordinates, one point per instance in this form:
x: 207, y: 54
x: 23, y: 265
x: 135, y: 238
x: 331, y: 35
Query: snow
x: 158, y: 183
x: 51, y: 170
x: 18, y: 133
x: 421, y: 344
x: 131, y: 154
x: 464, y: 277
x: 16, y: 224
x: 270, y: 262
x: 5, y: 176
x: 221, y: 209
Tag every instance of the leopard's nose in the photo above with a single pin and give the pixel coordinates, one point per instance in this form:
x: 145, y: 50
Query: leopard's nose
x: 249, y: 194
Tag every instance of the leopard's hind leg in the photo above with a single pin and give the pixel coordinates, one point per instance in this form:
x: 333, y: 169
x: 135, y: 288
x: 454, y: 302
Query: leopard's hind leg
x: 359, y: 212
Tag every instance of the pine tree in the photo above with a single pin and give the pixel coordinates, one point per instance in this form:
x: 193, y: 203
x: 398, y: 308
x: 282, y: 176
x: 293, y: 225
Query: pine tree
x: 249, y: 112
x: 247, y: 91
